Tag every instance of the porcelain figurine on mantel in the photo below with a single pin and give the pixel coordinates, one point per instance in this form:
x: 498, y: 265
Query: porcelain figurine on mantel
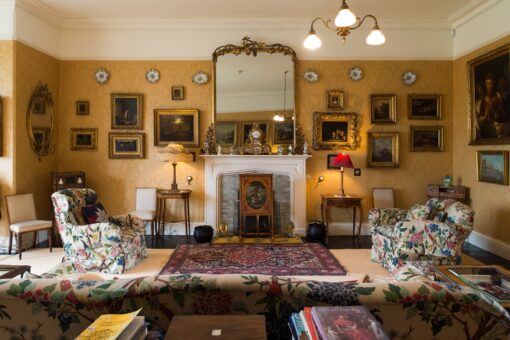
x: 305, y: 148
x: 218, y: 149
x: 291, y: 149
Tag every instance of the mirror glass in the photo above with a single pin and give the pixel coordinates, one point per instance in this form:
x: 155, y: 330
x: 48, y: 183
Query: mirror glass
x: 254, y: 89
x: 40, y: 121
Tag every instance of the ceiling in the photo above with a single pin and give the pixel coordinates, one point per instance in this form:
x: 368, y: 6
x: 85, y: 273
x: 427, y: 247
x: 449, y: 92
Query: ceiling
x: 249, y: 9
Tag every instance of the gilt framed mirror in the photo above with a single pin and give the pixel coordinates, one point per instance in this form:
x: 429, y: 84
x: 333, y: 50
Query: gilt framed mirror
x: 40, y: 121
x: 254, y: 82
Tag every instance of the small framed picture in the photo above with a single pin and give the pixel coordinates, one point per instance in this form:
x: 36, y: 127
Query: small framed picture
x: 176, y: 126
x: 283, y: 132
x: 383, y: 108
x: 177, y: 92
x: 335, y: 99
x: 127, y: 110
x: 424, y: 106
x: 83, y: 139
x: 40, y: 134
x: 39, y: 107
x: 126, y: 145
x: 82, y: 108
x: 426, y: 138
x: 331, y: 158
x: 383, y: 150
x: 492, y: 167
x: 226, y: 133
x: 246, y: 128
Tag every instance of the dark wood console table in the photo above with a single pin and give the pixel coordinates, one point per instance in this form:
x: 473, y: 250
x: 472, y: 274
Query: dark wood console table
x: 460, y: 194
x: 353, y: 202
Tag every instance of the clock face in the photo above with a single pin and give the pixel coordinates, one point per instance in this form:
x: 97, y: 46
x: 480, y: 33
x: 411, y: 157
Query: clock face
x: 255, y: 134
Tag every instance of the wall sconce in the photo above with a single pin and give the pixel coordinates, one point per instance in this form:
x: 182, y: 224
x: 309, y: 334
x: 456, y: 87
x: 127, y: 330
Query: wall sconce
x: 189, y: 179
x: 320, y: 179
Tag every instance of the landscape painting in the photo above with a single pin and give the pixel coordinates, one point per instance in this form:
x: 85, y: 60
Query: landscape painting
x: 176, y: 126
x: 493, y: 167
x: 383, y: 149
x: 127, y: 110
x: 226, y: 133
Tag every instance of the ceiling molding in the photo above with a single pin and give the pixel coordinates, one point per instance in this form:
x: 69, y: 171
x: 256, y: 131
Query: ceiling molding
x: 42, y: 11
x: 471, y: 11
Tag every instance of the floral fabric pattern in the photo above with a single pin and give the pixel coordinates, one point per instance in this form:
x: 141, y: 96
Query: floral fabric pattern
x: 61, y: 309
x: 419, y: 238
x: 108, y: 247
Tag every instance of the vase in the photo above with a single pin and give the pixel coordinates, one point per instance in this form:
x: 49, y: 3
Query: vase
x: 203, y: 233
x: 447, y: 181
x: 316, y: 232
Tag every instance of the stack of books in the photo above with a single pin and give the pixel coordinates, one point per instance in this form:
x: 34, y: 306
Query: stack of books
x: 331, y: 323
x: 116, y: 326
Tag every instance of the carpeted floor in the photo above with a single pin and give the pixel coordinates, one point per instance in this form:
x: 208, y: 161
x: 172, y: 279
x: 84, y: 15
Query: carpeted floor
x: 355, y: 261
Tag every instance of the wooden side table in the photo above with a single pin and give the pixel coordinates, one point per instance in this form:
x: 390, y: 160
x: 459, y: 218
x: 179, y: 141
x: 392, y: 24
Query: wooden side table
x: 9, y: 272
x: 353, y: 202
x: 164, y: 195
x: 198, y: 327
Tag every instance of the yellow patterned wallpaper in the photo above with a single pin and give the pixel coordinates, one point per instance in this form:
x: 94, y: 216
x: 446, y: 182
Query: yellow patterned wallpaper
x: 490, y: 201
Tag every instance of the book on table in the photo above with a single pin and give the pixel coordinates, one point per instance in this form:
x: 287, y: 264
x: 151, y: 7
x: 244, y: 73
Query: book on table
x: 492, y: 281
x: 116, y: 326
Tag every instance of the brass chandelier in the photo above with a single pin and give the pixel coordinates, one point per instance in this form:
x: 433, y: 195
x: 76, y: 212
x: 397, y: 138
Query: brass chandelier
x: 345, y: 22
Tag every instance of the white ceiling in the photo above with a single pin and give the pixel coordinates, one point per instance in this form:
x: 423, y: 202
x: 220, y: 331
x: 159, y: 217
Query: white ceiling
x: 218, y: 9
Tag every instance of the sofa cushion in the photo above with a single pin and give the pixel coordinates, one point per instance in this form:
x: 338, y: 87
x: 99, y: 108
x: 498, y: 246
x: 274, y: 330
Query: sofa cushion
x: 418, y: 212
x: 95, y: 213
x: 78, y: 216
x: 440, y: 216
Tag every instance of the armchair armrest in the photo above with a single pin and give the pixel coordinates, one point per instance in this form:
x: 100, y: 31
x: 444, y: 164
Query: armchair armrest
x: 385, y: 216
x: 96, y: 234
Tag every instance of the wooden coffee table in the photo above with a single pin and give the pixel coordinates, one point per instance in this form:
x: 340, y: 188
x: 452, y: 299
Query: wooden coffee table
x: 8, y: 271
x: 191, y: 327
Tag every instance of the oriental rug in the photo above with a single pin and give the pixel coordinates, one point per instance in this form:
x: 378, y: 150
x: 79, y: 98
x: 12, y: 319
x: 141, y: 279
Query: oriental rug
x: 263, y: 240
x: 267, y: 259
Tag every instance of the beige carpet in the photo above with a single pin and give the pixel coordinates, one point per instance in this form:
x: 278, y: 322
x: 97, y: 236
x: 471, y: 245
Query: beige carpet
x: 355, y: 261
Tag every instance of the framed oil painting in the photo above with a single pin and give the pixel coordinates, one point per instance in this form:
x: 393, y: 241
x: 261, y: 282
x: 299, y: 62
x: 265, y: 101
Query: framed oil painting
x: 335, y: 130
x: 424, y: 106
x: 383, y: 108
x: 246, y: 127
x: 492, y: 166
x: 82, y: 108
x: 489, y: 77
x: 176, y: 126
x: 127, y: 110
x: 335, y: 99
x: 226, y: 133
x: 283, y: 132
x: 126, y: 145
x: 383, y: 150
x: 426, y: 138
x: 177, y: 92
x: 83, y: 139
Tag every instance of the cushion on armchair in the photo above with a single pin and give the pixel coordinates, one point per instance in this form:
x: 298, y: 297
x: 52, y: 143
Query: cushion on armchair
x: 95, y: 213
x: 418, y: 212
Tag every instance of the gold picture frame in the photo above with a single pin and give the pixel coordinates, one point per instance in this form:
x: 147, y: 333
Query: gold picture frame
x: 424, y: 106
x: 335, y: 99
x: 497, y: 164
x: 126, y: 145
x: 127, y: 111
x: 383, y: 150
x: 383, y: 108
x: 177, y: 92
x: 226, y: 133
x: 82, y: 108
x: 176, y: 126
x: 283, y: 132
x: 335, y: 130
x: 83, y: 139
x: 426, y: 138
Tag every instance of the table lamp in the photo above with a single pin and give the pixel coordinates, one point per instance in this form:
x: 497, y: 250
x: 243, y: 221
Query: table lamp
x: 175, y: 153
x: 342, y: 160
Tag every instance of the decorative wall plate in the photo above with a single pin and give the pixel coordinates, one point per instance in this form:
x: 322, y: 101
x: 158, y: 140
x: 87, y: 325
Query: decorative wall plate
x: 200, y: 78
x: 355, y: 73
x: 409, y: 77
x: 102, y: 76
x: 310, y: 76
x: 152, y: 76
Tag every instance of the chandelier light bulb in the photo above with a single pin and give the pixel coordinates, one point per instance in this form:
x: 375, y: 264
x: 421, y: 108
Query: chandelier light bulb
x: 312, y: 41
x: 345, y: 17
x: 376, y: 37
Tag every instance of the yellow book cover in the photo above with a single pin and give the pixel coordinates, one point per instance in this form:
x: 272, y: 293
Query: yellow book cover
x: 108, y: 326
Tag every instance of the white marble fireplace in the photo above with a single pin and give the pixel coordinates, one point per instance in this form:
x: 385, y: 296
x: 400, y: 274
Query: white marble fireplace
x: 293, y: 166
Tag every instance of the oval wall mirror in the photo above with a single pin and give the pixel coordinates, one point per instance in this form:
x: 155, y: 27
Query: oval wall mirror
x: 40, y: 121
x: 254, y: 83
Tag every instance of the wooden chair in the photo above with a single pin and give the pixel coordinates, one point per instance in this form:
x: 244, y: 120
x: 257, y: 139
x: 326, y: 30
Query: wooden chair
x: 22, y: 219
x: 383, y: 198
x: 146, y: 206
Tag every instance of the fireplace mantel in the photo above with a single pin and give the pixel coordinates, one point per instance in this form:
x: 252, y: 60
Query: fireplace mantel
x: 293, y: 166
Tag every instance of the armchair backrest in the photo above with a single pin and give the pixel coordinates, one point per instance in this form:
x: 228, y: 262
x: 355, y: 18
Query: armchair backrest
x: 456, y: 212
x: 64, y: 201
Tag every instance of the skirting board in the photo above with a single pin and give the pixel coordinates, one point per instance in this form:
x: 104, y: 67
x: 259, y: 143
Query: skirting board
x: 490, y: 244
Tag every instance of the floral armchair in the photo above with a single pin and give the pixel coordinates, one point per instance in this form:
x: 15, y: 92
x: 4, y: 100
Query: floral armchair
x: 107, y: 247
x: 434, y: 232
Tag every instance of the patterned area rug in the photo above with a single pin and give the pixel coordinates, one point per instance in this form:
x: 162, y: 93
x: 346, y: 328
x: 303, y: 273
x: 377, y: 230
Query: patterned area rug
x: 269, y: 259
x: 263, y: 240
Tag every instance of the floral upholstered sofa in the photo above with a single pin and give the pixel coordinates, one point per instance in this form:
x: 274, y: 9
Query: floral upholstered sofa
x: 60, y: 309
x: 108, y: 247
x: 434, y: 232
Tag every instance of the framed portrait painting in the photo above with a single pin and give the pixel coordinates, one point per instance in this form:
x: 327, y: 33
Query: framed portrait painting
x: 226, y: 133
x: 83, y: 139
x: 176, y: 126
x: 383, y: 108
x: 492, y: 167
x: 127, y: 110
x: 424, y: 106
x: 335, y: 130
x: 489, y: 77
x: 426, y: 138
x: 283, y: 132
x: 383, y: 150
x: 126, y: 145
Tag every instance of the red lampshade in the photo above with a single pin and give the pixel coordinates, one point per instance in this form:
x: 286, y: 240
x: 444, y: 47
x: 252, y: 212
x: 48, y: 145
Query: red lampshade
x: 343, y: 160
